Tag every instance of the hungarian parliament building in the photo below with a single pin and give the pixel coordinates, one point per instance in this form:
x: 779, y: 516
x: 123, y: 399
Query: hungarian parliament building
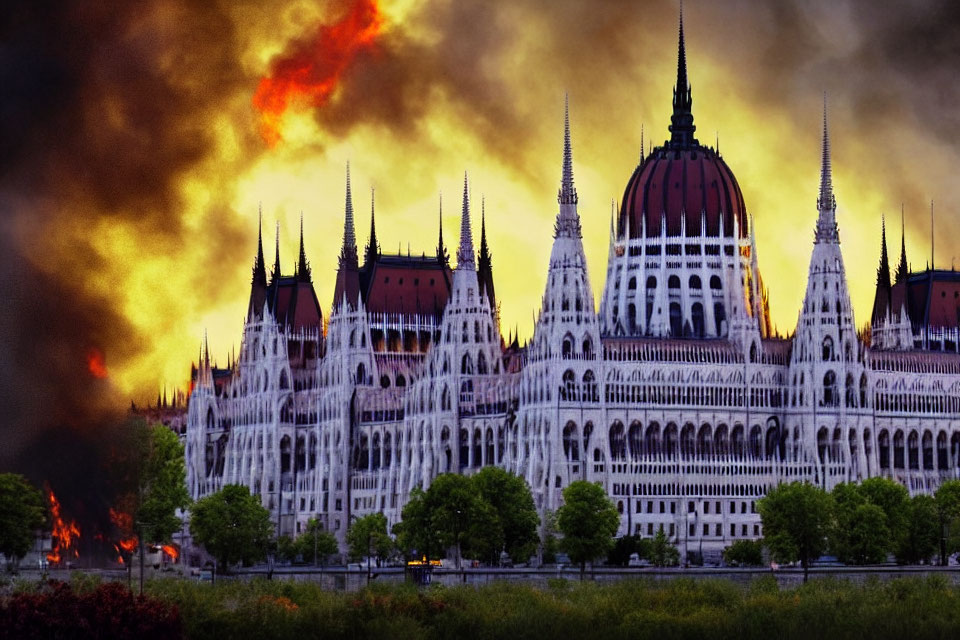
x: 674, y: 394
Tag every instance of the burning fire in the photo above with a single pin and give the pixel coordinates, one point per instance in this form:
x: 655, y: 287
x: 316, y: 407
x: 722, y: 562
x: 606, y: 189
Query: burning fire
x: 310, y: 73
x: 64, y: 535
x: 124, y: 522
x: 171, y: 551
x: 96, y: 364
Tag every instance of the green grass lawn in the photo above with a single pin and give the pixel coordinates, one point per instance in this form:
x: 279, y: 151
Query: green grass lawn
x: 682, y: 608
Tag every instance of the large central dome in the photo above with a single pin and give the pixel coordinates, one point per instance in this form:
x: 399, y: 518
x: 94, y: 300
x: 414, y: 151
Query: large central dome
x: 682, y: 182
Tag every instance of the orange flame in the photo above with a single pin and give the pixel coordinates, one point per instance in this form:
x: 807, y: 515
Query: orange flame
x: 96, y: 364
x: 171, y: 551
x: 124, y: 522
x: 64, y: 533
x: 310, y: 73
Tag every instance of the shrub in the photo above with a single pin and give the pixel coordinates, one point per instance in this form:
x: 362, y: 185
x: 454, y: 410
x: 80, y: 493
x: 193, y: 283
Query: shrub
x: 108, y: 611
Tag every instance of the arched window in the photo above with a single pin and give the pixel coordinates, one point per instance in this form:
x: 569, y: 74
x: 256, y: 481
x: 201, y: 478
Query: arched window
x: 687, y: 442
x: 361, y: 374
x: 694, y: 282
x: 567, y: 347
x: 719, y: 317
x: 830, y: 398
x: 696, y: 314
x: 676, y: 320
x: 651, y: 282
x: 898, y: 449
x: 618, y: 444
x: 828, y: 348
x: 590, y: 391
x: 673, y: 282
x: 587, y: 347
x: 635, y: 440
x: 568, y: 390
x: 571, y: 442
x: 715, y: 283
x: 481, y: 363
x: 632, y: 284
x: 466, y: 365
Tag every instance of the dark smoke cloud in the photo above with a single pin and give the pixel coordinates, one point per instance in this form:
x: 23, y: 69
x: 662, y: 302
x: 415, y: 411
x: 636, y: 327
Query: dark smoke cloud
x: 105, y: 108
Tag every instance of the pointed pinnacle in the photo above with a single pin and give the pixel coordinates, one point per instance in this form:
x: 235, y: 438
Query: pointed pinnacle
x: 827, y: 200
x: 465, y: 257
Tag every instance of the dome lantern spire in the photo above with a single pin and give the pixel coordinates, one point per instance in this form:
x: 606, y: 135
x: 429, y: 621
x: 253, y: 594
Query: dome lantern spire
x: 681, y: 122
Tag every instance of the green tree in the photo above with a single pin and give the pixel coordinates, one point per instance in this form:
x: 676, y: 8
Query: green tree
x: 316, y: 544
x: 893, y: 498
x: 744, y: 553
x: 619, y: 553
x: 232, y: 526
x: 860, y: 533
x: 588, y: 520
x: 458, y: 515
x: 947, y: 499
x: 152, y: 480
x: 663, y: 553
x: 514, y: 513
x: 163, y: 485
x: 367, y: 536
x: 415, y: 533
x: 549, y: 541
x: 868, y: 537
x: 922, y: 539
x: 796, y: 521
x: 22, y: 512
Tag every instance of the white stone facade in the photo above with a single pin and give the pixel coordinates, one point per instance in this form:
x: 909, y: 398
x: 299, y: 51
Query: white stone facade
x: 685, y: 409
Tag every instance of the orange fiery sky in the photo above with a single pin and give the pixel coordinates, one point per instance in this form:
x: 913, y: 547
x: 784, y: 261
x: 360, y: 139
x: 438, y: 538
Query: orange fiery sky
x: 136, y: 203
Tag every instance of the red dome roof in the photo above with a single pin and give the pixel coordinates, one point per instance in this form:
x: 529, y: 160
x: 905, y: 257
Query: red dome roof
x: 673, y: 183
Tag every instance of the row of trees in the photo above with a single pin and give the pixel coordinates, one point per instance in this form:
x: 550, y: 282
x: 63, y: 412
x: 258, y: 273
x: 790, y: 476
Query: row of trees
x: 861, y: 523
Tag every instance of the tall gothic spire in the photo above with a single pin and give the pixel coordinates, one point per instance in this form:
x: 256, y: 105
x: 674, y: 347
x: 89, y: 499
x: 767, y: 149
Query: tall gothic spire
x: 259, y: 266
x: 373, y: 247
x: 682, y: 127
x: 465, y: 251
x: 883, y: 270
x: 902, y: 269
x: 303, y: 267
x: 485, y: 261
x: 348, y: 253
x: 442, y: 255
x: 275, y: 274
x: 826, y: 202
x: 568, y: 193
x: 568, y: 221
